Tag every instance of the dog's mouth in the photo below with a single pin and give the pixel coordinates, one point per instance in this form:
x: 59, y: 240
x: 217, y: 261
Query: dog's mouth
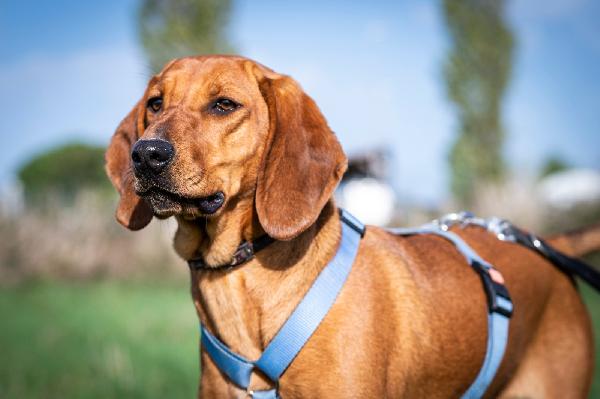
x: 166, y: 203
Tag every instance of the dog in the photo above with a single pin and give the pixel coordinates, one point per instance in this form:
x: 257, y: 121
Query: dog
x: 233, y: 150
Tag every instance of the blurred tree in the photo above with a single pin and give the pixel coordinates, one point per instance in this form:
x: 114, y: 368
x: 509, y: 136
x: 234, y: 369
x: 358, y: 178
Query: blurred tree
x: 63, y: 171
x: 175, y: 28
x: 476, y: 72
x: 552, y: 165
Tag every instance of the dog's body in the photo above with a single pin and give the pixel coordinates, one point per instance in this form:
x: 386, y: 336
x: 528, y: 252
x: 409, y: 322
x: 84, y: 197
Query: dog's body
x: 411, y: 319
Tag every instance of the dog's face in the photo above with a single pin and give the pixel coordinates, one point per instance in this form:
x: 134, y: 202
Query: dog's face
x: 211, y: 131
x: 203, y: 125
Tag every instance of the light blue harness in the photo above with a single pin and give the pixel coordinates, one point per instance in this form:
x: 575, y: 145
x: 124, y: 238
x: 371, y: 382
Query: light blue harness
x: 313, y: 308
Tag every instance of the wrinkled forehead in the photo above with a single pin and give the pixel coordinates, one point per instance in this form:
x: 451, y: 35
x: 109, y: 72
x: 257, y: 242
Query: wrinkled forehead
x: 206, y: 77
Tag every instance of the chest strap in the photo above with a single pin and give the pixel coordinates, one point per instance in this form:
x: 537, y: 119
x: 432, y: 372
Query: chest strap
x: 301, y: 324
x: 500, y: 306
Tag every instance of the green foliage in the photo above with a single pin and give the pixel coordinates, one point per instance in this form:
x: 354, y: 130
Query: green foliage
x: 476, y: 72
x: 552, y: 165
x: 592, y: 300
x: 175, y: 28
x: 63, y: 171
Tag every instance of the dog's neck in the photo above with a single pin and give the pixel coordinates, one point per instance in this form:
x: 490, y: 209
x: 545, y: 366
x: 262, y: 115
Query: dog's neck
x: 247, y: 305
x: 215, y: 239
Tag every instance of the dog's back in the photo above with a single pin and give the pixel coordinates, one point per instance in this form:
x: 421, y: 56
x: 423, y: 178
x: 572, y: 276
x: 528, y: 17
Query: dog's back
x: 413, y: 315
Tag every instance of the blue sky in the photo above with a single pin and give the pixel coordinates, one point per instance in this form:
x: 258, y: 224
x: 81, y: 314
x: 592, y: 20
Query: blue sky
x: 72, y: 70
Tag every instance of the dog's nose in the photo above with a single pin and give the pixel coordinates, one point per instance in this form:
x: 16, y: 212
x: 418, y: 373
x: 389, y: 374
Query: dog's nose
x: 151, y: 155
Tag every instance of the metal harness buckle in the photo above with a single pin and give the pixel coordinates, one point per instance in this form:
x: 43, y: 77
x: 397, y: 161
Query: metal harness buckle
x: 451, y: 219
x: 501, y: 228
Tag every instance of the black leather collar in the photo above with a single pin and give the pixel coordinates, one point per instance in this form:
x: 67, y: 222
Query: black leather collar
x: 248, y: 249
x: 243, y: 254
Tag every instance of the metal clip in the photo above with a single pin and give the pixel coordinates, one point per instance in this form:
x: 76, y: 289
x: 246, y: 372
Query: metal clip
x: 451, y: 219
x: 501, y: 228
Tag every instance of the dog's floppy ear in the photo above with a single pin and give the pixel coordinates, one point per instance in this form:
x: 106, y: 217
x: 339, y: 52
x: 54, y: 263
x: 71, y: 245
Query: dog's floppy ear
x: 133, y: 212
x: 302, y: 163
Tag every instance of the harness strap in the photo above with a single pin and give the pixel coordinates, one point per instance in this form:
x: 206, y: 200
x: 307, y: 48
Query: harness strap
x: 309, y: 313
x: 564, y: 262
x: 236, y: 367
x: 301, y: 324
x: 499, y: 305
x: 496, y: 345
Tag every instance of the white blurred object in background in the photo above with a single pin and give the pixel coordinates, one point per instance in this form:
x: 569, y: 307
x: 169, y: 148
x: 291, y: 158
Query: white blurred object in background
x: 370, y: 200
x: 570, y: 188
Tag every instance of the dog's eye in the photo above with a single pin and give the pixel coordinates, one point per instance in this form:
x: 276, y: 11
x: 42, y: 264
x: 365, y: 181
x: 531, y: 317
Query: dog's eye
x: 155, y: 104
x: 224, y: 106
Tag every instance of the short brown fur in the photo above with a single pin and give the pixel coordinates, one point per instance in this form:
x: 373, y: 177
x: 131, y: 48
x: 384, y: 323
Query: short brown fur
x: 411, y: 319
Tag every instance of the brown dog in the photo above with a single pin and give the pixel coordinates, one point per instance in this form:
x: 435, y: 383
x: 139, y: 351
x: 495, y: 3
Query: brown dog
x: 234, y: 150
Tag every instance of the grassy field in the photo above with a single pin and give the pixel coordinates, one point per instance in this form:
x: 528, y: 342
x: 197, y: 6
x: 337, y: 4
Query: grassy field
x: 112, y: 340
x: 592, y: 299
x: 98, y: 340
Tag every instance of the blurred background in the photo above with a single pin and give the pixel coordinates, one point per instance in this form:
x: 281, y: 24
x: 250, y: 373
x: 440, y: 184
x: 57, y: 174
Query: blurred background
x: 486, y: 105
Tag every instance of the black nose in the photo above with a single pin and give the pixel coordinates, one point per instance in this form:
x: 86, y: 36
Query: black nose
x: 151, y: 155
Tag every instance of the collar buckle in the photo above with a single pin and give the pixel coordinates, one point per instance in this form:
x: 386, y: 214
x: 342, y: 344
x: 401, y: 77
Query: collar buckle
x: 244, y: 253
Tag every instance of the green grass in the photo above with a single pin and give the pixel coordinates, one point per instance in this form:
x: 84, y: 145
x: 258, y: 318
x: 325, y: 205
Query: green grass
x: 592, y: 300
x: 98, y: 340
x: 114, y: 340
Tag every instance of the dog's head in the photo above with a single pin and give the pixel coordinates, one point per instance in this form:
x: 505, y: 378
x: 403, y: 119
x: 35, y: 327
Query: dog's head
x: 212, y: 130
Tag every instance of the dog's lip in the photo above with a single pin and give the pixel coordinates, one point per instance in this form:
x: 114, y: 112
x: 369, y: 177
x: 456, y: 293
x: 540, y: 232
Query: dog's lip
x: 212, y: 203
x: 206, y: 204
